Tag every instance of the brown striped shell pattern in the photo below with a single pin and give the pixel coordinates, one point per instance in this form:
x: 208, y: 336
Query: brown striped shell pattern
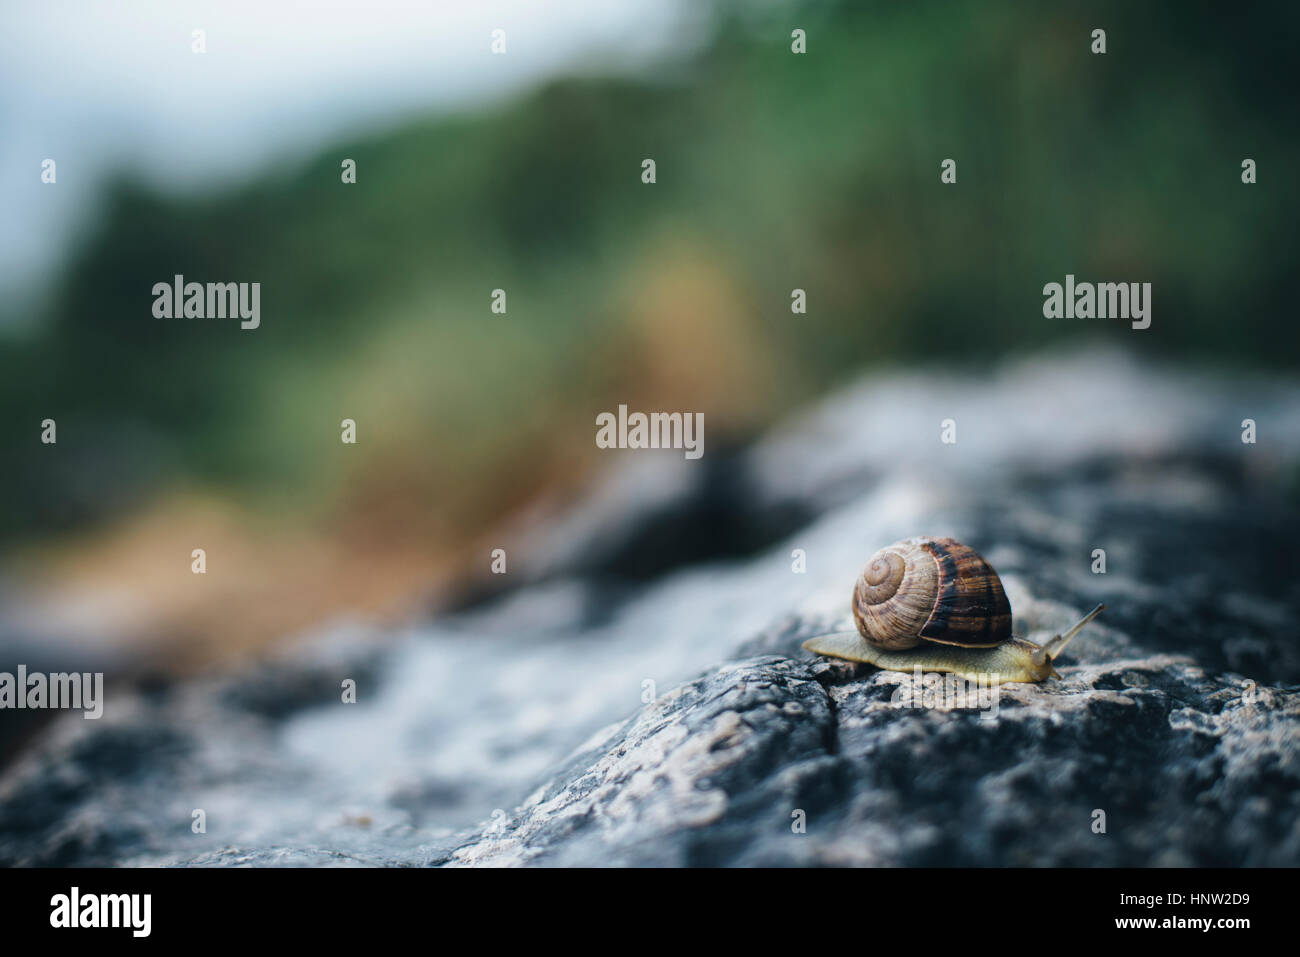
x: 935, y: 589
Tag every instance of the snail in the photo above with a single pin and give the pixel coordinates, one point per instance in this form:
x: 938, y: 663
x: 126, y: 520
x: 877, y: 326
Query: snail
x: 936, y: 604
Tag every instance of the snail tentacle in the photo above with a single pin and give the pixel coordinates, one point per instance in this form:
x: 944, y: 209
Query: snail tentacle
x: 1055, y: 646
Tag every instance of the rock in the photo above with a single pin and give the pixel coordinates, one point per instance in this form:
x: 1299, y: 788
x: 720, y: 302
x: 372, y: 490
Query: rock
x: 718, y: 772
x: 592, y: 718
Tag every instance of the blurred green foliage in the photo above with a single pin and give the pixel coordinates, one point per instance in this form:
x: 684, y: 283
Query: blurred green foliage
x: 775, y: 171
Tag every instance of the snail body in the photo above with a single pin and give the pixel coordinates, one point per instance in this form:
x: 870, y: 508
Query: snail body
x: 937, y: 604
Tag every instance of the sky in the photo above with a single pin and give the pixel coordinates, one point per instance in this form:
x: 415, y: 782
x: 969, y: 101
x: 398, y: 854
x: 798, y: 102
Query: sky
x: 111, y: 85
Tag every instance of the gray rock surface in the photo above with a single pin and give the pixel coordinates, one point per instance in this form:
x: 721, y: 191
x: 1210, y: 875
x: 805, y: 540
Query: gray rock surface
x: 586, y: 717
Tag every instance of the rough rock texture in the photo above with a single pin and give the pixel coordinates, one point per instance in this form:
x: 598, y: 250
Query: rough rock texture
x: 604, y: 712
x: 718, y: 770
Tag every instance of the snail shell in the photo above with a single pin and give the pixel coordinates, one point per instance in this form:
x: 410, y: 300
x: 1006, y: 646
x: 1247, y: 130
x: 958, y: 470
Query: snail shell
x: 932, y: 589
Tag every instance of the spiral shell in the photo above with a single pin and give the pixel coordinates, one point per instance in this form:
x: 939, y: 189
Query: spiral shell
x: 935, y: 589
